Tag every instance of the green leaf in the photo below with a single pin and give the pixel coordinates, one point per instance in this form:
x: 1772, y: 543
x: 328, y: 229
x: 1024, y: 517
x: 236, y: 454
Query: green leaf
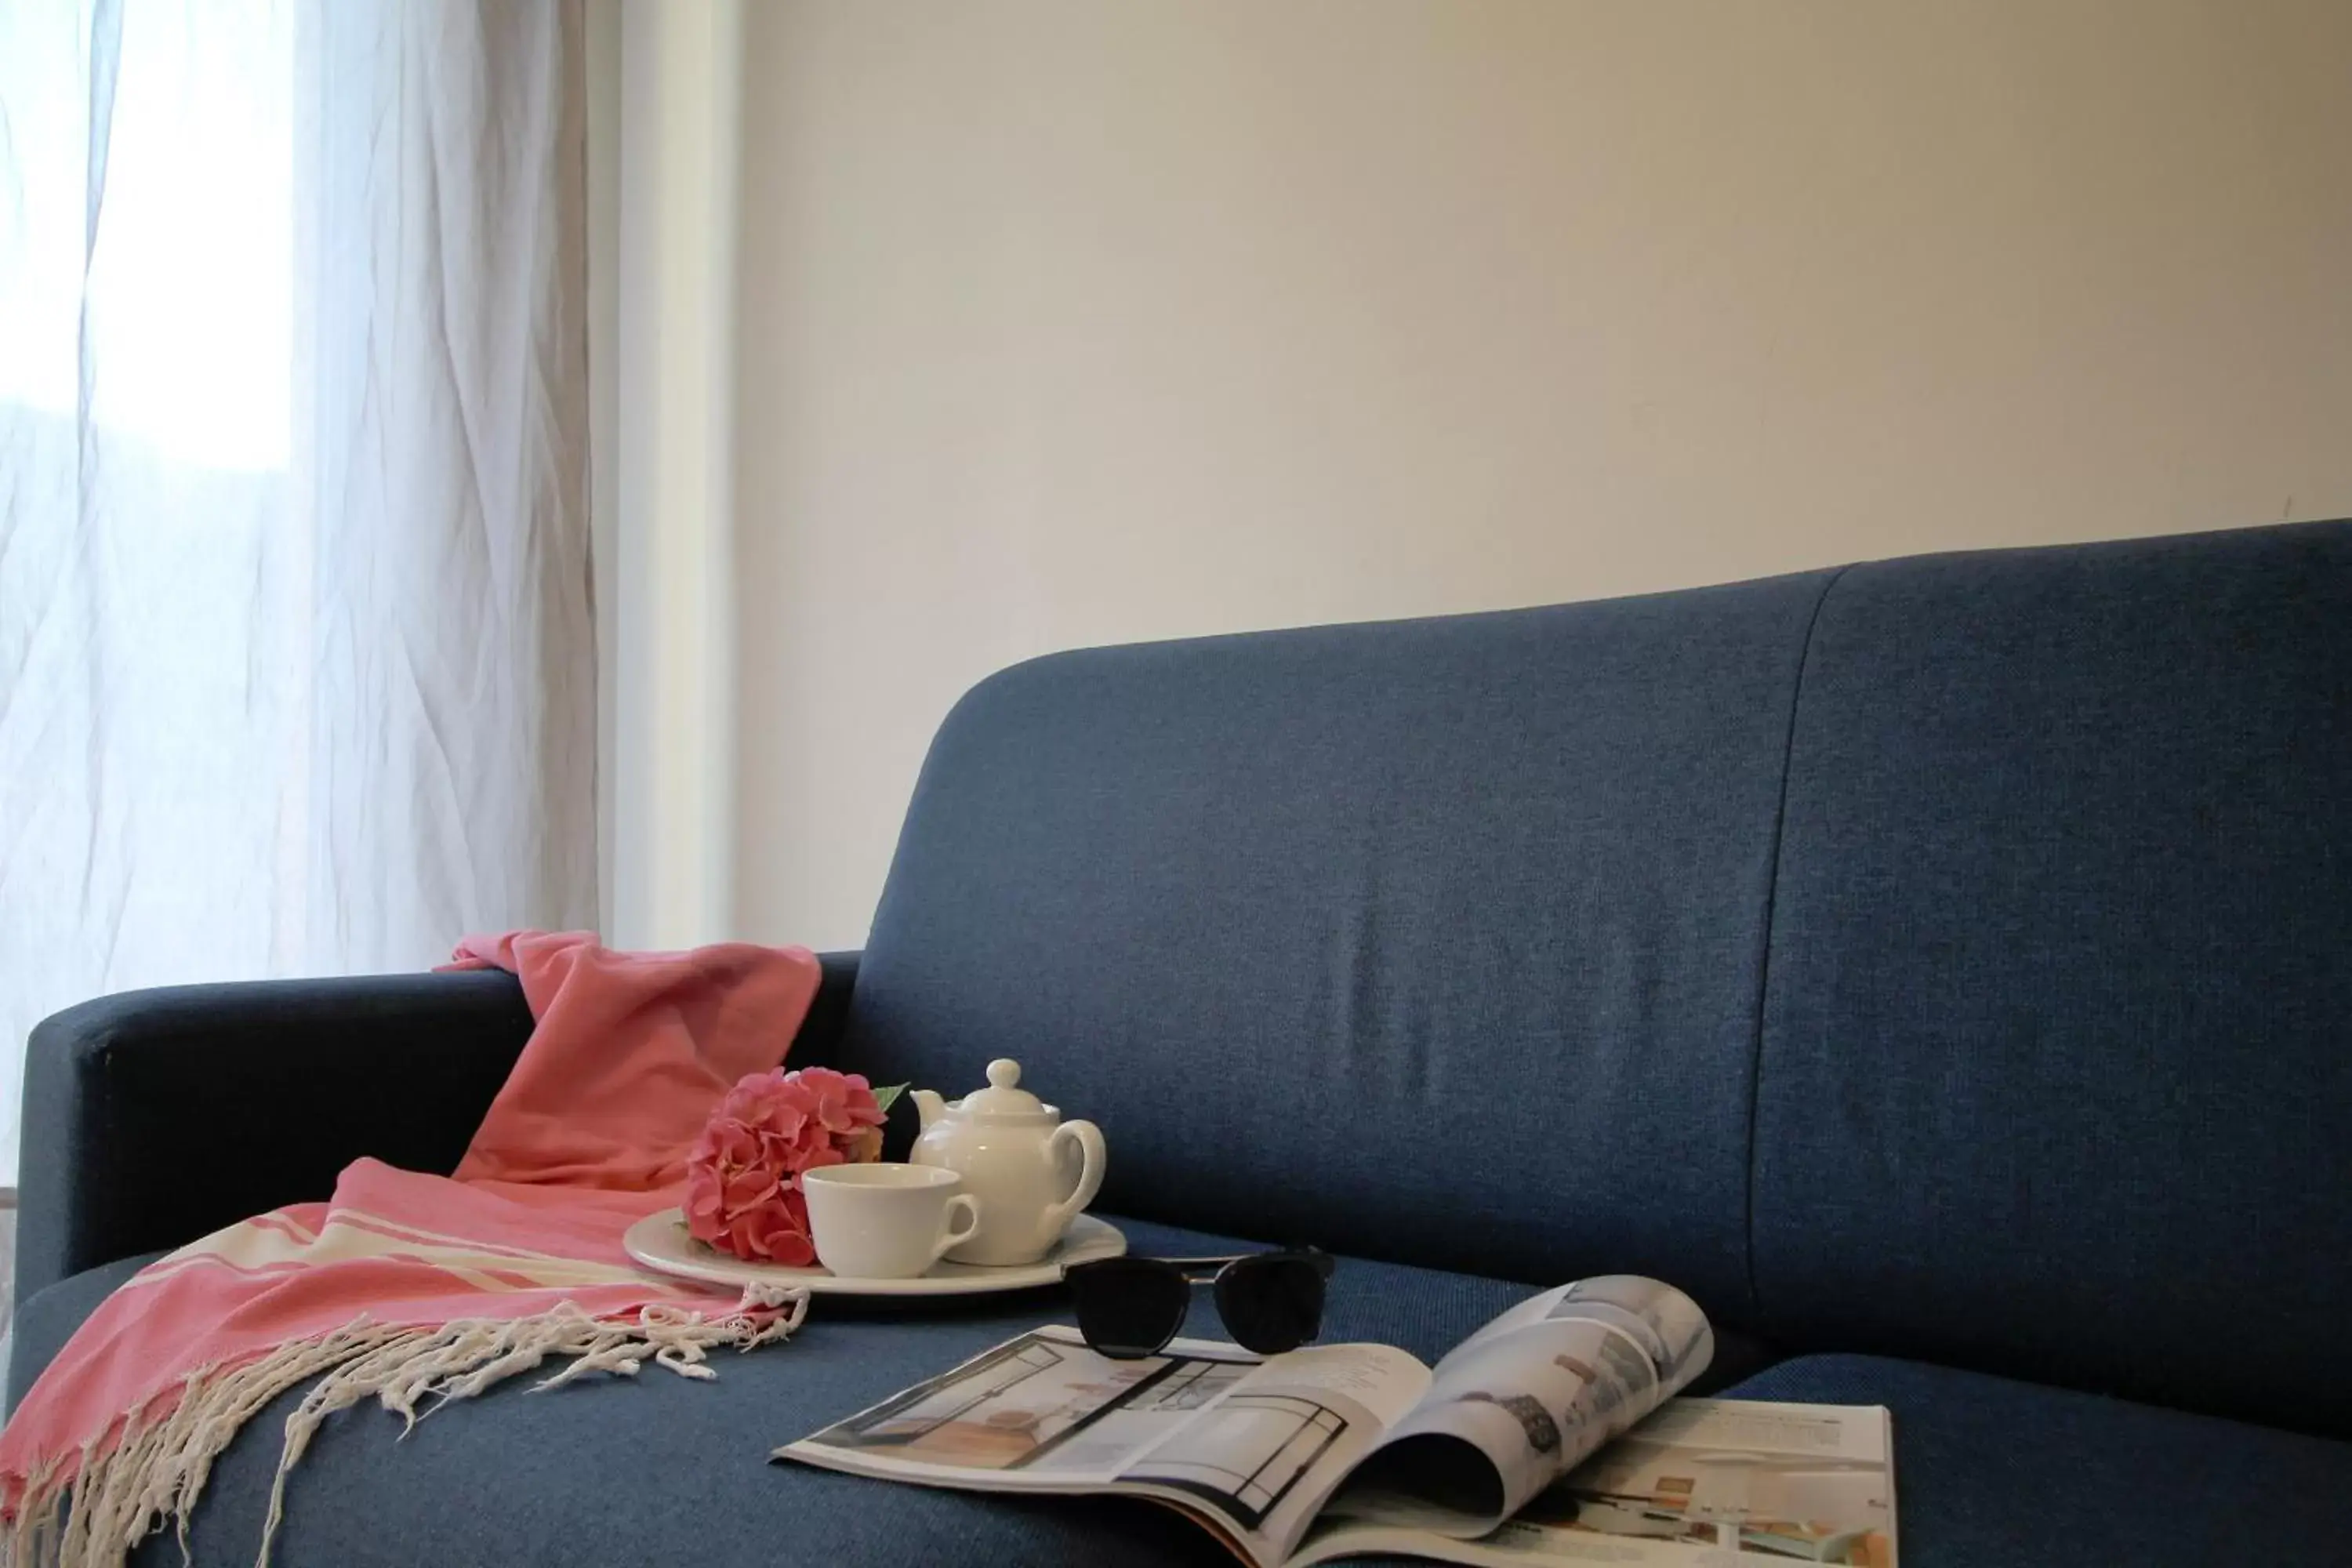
x: 886, y: 1097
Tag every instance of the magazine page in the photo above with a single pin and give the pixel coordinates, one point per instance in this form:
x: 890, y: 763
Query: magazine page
x: 1039, y: 1413
x: 1277, y: 1443
x: 1700, y: 1479
x: 1528, y: 1397
x: 1251, y: 1447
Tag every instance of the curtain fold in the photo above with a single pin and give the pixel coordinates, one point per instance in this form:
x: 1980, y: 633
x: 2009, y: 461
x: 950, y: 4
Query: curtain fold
x: 297, y: 667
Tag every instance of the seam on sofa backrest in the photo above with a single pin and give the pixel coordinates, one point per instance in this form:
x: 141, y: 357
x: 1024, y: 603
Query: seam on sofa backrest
x: 1764, y: 957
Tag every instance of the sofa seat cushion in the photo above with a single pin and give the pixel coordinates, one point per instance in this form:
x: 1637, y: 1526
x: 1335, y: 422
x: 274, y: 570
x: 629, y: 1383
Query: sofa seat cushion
x: 1990, y: 1472
x: 657, y: 1468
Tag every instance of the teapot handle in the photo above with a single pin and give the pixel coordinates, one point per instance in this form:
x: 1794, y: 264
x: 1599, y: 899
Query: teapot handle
x: 1090, y: 1140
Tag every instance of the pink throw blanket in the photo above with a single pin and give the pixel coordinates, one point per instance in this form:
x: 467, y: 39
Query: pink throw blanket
x: 413, y: 1289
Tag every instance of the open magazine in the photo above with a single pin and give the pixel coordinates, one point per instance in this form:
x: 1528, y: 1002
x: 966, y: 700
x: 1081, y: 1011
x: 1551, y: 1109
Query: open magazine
x: 1336, y: 1451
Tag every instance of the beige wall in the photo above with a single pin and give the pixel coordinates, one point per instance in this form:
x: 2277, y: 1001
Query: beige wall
x: 1103, y: 319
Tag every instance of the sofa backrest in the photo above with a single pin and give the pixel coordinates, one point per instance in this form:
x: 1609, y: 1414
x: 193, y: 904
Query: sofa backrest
x: 1436, y: 941
x: 1948, y: 957
x: 2057, y: 1049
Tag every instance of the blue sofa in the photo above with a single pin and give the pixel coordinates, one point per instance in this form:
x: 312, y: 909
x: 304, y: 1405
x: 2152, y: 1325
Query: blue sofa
x: 1940, y: 967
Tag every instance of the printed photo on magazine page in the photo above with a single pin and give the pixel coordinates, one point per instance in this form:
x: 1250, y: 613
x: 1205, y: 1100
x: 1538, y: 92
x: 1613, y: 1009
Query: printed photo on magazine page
x: 1041, y: 1406
x: 1251, y: 1448
x: 1702, y: 1482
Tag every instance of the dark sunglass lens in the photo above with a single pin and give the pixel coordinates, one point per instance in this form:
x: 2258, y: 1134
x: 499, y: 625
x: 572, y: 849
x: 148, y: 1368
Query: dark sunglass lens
x: 1128, y: 1306
x: 1272, y: 1303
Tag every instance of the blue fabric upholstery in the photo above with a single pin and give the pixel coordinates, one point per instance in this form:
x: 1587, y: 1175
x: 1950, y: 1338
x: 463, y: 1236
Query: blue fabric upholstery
x: 131, y: 1101
x: 1994, y: 1473
x: 1434, y: 940
x: 1951, y: 958
x: 2057, y: 1060
x: 625, y: 1470
x: 657, y: 1469
x: 136, y: 1102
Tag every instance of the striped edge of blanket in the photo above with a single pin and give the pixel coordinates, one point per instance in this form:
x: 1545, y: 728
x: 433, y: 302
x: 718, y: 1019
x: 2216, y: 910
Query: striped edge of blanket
x: 150, y: 1466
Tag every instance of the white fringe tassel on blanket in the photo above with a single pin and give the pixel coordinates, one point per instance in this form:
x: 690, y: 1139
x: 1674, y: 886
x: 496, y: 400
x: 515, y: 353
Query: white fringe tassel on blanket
x: 157, y: 1470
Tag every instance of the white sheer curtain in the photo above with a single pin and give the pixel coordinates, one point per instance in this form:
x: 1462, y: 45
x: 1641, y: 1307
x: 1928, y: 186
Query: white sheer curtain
x: 297, y: 670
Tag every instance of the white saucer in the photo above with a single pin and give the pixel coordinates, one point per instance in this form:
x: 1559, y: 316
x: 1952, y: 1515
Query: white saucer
x: 660, y: 1243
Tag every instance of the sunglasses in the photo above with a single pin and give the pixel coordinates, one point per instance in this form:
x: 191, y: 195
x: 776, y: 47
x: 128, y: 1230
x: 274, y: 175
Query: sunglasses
x: 1129, y: 1308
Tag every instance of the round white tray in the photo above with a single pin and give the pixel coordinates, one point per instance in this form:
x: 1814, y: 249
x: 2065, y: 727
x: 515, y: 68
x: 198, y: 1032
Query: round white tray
x: 660, y: 1243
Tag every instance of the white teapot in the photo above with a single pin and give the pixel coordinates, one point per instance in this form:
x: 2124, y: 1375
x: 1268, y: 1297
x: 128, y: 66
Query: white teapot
x: 1010, y: 1148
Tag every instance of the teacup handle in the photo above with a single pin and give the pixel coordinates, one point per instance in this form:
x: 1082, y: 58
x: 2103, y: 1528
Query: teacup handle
x: 965, y: 1204
x: 1090, y: 1140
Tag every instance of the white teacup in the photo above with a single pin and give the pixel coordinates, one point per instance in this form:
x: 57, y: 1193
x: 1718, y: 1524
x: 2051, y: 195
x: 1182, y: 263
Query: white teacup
x: 886, y: 1221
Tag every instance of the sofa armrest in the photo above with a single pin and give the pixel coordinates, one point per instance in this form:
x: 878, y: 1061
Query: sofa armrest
x: 154, y: 1117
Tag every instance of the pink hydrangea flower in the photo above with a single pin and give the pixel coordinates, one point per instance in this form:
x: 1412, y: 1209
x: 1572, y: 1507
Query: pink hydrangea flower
x: 743, y: 1178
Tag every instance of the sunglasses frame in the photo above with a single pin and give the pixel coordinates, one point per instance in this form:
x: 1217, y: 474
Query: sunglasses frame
x: 1196, y: 1271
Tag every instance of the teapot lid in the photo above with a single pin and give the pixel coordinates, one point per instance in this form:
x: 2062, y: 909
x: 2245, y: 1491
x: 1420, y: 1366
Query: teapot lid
x: 1001, y: 1096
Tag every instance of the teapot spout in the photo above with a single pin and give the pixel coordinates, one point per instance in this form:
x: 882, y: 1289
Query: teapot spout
x: 928, y: 1105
